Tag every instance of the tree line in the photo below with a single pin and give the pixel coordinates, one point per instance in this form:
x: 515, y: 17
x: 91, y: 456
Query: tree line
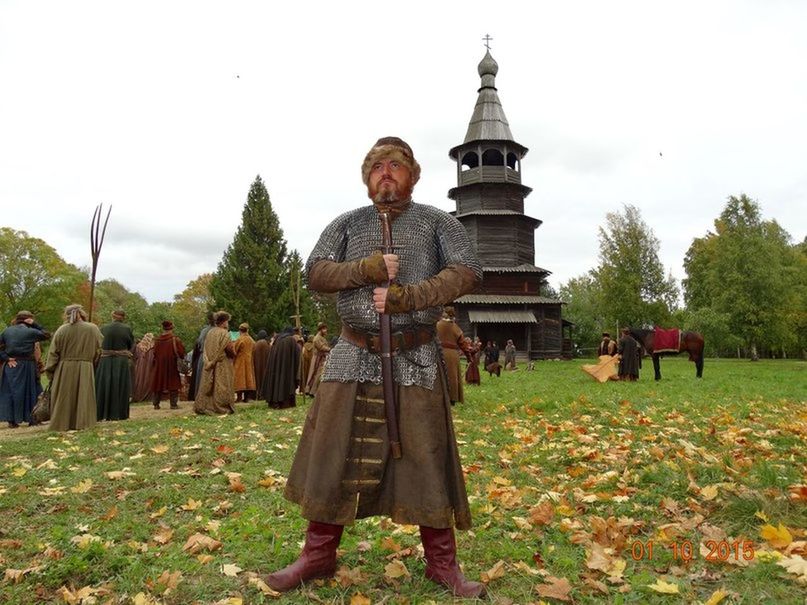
x: 745, y: 288
x: 256, y: 281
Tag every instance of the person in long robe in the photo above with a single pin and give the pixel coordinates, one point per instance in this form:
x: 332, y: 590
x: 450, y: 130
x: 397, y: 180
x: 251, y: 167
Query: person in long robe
x: 260, y: 355
x: 452, y: 340
x: 492, y: 365
x: 472, y: 352
x: 306, y: 355
x: 113, y: 376
x: 280, y: 382
x: 345, y: 467
x: 510, y: 356
x: 628, y: 350
x: 196, y: 358
x: 244, y: 379
x: 166, y: 379
x: 321, y: 350
x: 216, y: 392
x: 75, y: 348
x: 19, y: 380
x: 144, y: 368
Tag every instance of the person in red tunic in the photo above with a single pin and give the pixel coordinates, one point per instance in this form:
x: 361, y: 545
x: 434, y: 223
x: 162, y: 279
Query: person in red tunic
x: 167, y: 348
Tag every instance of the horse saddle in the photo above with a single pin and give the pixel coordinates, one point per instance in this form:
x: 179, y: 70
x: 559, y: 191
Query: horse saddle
x: 666, y: 340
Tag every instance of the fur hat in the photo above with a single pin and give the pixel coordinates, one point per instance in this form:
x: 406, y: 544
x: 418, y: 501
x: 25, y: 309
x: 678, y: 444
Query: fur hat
x: 243, y: 327
x: 168, y: 324
x: 394, y: 148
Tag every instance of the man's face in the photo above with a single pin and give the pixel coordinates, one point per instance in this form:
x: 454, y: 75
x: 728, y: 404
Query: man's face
x: 390, y: 181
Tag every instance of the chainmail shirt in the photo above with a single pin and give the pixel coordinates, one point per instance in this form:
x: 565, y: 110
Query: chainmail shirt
x: 426, y: 240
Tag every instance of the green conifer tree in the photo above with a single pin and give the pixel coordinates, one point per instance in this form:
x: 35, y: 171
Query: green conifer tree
x: 252, y: 279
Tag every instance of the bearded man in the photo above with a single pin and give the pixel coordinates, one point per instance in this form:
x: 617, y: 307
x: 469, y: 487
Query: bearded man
x: 343, y: 468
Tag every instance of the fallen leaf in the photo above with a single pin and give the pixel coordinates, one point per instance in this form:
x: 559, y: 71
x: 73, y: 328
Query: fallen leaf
x: 797, y: 565
x: 359, y: 599
x: 228, y: 569
x: 169, y: 581
x: 494, y: 573
x: 264, y: 587
x: 163, y: 535
x: 199, y: 542
x: 204, y: 559
x: 83, y: 487
x: 191, y: 504
x: 347, y: 577
x: 395, y: 569
x: 717, y: 596
x: 664, y: 587
x: 159, y: 513
x: 159, y: 449
x: 778, y: 537
x: 557, y: 588
x: 709, y: 492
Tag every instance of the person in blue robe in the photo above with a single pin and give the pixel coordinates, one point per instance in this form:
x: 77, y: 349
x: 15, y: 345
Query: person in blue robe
x: 19, y: 382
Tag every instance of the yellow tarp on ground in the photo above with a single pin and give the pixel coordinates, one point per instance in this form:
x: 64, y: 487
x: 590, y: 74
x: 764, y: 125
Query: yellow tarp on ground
x: 604, y: 370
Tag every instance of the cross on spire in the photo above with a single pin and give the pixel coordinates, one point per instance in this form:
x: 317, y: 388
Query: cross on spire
x: 487, y: 40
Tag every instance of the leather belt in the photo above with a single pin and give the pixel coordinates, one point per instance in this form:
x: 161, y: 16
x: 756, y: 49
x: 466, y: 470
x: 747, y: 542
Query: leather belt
x: 401, y: 341
x: 116, y: 353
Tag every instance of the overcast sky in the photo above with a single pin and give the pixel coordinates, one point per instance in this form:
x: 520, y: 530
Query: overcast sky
x: 168, y: 110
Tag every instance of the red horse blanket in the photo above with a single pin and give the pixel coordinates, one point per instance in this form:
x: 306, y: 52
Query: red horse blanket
x: 666, y: 340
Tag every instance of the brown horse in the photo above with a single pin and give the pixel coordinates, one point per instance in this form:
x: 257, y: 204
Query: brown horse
x: 691, y: 342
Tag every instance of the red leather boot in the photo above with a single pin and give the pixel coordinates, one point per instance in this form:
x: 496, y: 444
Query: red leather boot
x: 441, y: 563
x: 318, y: 559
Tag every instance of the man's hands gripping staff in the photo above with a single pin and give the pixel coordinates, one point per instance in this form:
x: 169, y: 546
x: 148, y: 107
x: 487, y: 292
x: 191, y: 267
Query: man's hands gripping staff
x: 391, y: 262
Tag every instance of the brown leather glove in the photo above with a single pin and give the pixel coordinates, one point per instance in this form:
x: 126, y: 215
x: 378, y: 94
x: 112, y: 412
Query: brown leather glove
x: 331, y: 276
x: 448, y: 285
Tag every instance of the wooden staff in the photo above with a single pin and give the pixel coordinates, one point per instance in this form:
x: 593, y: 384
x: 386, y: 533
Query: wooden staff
x: 95, y: 247
x: 385, y: 321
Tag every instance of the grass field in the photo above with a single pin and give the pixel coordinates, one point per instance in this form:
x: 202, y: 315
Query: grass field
x: 680, y: 491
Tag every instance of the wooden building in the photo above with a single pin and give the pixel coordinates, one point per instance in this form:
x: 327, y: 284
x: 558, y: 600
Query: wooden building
x: 489, y: 200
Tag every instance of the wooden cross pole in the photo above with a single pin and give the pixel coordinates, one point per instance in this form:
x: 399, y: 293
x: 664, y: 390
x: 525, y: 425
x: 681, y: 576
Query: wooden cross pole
x: 295, y: 292
x: 96, y: 243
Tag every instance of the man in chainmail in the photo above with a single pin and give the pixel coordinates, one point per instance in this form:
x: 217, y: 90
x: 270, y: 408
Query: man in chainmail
x: 343, y: 469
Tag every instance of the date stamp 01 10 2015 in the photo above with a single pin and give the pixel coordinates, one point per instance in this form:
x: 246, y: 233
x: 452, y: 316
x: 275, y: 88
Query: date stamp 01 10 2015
x: 718, y: 550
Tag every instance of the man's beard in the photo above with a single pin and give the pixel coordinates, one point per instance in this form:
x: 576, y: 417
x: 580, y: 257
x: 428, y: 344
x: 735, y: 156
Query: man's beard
x: 391, y: 196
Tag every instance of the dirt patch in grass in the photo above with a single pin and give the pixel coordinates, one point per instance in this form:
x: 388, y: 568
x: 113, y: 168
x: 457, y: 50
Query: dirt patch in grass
x: 137, y: 411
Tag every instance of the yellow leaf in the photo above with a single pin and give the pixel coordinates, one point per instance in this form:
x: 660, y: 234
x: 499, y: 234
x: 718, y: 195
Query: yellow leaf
x: 19, y: 471
x: 115, y: 475
x: 159, y: 513
x: 263, y: 587
x: 159, y: 449
x: 359, y: 599
x: 228, y: 569
x: 778, y: 537
x: 761, y: 515
x: 395, y: 569
x: 664, y: 587
x: 191, y: 504
x: 709, y: 492
x: 84, y: 540
x: 717, y: 596
x: 204, y: 559
x: 83, y: 487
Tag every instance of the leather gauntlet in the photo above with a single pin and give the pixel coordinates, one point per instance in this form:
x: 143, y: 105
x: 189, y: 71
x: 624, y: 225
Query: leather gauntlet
x: 331, y: 276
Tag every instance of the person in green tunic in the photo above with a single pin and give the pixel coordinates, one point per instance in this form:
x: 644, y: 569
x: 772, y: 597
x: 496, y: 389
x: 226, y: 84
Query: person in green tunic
x: 113, y: 377
x: 75, y: 347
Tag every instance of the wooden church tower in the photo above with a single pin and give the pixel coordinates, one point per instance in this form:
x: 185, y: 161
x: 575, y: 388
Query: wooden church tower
x: 489, y: 200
